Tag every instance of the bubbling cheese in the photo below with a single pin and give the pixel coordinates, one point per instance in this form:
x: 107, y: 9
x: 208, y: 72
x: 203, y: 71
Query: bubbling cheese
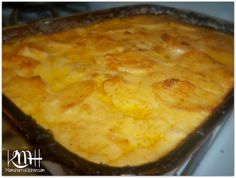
x: 124, y: 91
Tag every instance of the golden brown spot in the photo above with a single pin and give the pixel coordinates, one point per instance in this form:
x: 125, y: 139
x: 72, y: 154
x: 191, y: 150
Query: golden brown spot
x: 21, y: 62
x: 85, y: 107
x: 130, y: 60
x: 170, y: 82
x: 74, y: 94
x: 183, y: 95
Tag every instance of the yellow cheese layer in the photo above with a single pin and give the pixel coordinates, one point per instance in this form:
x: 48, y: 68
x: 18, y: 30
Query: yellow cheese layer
x: 124, y: 91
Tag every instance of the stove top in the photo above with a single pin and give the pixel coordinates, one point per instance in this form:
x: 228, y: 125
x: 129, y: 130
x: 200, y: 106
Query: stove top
x: 15, y: 13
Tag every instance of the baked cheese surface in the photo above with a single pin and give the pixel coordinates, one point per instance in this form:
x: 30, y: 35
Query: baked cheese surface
x: 123, y: 91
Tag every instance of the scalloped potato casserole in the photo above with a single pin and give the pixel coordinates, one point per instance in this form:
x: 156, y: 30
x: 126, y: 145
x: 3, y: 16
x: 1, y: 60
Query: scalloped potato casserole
x: 125, y: 91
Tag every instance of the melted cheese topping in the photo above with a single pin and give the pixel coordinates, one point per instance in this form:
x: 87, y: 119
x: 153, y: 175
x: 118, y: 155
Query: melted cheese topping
x: 124, y: 91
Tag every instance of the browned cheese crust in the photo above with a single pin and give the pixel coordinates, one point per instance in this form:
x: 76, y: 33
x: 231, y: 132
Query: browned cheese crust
x: 124, y: 91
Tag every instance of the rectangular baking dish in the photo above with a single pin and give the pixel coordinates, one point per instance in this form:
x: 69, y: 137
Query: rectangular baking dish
x: 43, y: 139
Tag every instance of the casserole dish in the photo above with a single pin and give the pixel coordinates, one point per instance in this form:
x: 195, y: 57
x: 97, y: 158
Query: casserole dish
x: 164, y: 164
